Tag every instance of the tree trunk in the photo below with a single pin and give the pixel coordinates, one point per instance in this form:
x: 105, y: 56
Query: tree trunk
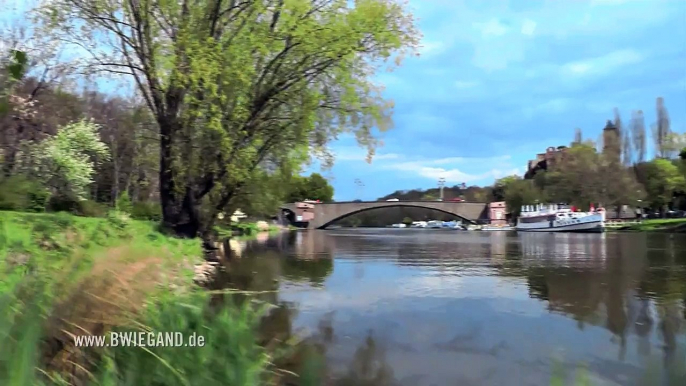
x: 115, y: 171
x: 184, y: 216
x: 188, y: 222
x: 9, y: 162
x: 170, y: 211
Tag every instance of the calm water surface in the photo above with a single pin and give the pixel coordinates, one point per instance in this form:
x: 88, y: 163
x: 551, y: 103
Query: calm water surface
x: 440, y: 307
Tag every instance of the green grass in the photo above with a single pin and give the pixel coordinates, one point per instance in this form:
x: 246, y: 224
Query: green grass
x: 677, y: 225
x: 230, y: 355
x: 62, y: 274
x: 44, y: 245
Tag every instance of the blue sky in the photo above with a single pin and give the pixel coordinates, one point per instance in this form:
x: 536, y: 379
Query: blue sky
x: 499, y: 81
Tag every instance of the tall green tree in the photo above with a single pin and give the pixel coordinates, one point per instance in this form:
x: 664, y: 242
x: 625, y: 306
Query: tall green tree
x: 638, y: 136
x: 662, y: 130
x: 314, y: 187
x: 576, y: 177
x: 499, y: 186
x: 662, y: 180
x: 319, y: 188
x: 236, y: 86
x: 519, y: 192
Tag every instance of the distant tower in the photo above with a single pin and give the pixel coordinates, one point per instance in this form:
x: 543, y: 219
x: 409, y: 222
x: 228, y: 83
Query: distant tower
x: 612, y: 142
x: 578, y: 138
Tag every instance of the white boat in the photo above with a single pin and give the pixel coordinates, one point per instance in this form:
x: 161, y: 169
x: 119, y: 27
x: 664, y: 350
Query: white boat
x: 418, y: 224
x: 400, y: 225
x: 434, y: 224
x: 559, y: 218
x: 493, y: 228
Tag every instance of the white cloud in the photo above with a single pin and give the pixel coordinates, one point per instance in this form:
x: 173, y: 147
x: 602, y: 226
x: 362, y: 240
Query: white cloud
x: 603, y: 64
x: 601, y: 106
x: 450, y: 175
x: 359, y: 154
x: 528, y: 27
x: 554, y: 106
x: 462, y: 84
x: 491, y: 28
x: 386, y: 156
x: 609, y: 2
x: 431, y: 47
x: 494, y: 47
x: 387, y: 79
x: 453, y: 168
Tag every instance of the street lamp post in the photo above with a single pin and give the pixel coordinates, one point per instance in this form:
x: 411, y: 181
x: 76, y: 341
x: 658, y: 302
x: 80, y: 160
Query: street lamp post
x: 359, y: 187
x: 441, y: 184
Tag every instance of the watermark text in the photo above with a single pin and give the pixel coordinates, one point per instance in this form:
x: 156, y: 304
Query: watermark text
x: 140, y: 339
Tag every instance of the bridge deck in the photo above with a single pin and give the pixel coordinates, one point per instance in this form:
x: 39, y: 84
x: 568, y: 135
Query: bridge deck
x: 326, y: 213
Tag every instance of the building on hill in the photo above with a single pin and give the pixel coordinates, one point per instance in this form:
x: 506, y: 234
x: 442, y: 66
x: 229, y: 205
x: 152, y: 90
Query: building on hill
x: 497, y: 213
x: 545, y: 160
x: 612, y: 142
x: 612, y: 147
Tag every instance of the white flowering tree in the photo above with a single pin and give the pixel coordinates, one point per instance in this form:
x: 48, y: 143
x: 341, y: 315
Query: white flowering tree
x: 66, y: 161
x: 675, y: 143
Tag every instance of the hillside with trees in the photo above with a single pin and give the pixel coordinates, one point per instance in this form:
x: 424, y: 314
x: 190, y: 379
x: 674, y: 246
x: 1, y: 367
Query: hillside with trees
x: 612, y: 172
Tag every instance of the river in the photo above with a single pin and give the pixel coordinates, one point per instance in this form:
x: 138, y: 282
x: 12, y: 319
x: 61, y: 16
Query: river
x: 438, y: 307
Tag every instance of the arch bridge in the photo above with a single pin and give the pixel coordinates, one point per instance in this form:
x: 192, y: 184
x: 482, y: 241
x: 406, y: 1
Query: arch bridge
x: 327, y: 213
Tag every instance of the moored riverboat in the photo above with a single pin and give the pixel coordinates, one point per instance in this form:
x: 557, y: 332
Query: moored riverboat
x: 434, y: 224
x: 495, y: 228
x: 559, y: 218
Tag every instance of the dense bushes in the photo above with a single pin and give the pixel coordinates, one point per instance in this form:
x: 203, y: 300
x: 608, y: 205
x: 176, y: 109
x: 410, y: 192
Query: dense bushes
x: 90, y: 208
x: 146, y: 211
x: 20, y: 193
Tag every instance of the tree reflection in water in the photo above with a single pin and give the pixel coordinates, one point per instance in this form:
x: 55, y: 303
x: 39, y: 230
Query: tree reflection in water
x: 641, y: 290
x: 257, y: 270
x: 369, y: 367
x: 631, y: 287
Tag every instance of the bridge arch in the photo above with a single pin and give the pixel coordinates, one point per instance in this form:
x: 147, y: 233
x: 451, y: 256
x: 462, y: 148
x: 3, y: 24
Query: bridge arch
x: 398, y: 204
x: 326, y: 213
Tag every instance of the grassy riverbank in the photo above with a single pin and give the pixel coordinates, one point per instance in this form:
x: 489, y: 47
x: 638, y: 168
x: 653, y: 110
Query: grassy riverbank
x: 244, y: 229
x: 65, y: 276
x: 672, y: 225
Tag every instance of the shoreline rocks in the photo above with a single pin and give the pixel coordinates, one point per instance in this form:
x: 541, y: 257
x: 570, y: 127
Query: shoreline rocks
x: 205, y: 273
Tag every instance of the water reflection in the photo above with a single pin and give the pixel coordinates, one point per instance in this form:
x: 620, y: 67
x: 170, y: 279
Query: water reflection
x: 416, y: 307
